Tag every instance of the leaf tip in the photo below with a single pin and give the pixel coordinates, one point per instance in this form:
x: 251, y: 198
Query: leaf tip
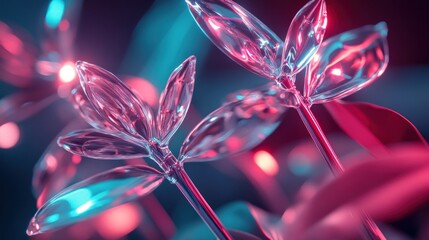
x: 381, y: 27
x: 192, y: 59
x: 61, y: 142
x: 190, y: 63
x: 82, y: 70
x: 33, y: 227
x: 80, y: 66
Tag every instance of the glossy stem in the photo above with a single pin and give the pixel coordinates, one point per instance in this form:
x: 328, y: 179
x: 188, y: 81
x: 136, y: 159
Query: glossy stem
x: 186, y: 186
x: 371, y: 229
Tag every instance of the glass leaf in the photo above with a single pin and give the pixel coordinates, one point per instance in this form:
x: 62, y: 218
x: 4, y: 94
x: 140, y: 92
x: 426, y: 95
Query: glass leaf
x: 175, y: 99
x: 52, y: 172
x: 102, y: 145
x: 240, y: 35
x: 286, y: 98
x: 115, y: 102
x: 94, y: 195
x: 86, y: 110
x: 346, y: 63
x: 304, y: 37
x: 235, y: 127
x: 55, y: 168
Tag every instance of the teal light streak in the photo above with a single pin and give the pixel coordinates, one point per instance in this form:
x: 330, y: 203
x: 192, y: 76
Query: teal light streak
x: 53, y: 218
x: 55, y: 13
x: 84, y: 207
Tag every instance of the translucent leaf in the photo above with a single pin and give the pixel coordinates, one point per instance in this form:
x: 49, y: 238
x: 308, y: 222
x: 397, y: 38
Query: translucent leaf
x: 304, y: 37
x: 52, y: 173
x: 240, y: 35
x: 346, y: 63
x: 115, y: 102
x: 86, y: 110
x: 371, y: 125
x: 94, y: 195
x: 175, y: 99
x: 285, y: 97
x: 101, y: 145
x: 55, y: 168
x: 235, y: 127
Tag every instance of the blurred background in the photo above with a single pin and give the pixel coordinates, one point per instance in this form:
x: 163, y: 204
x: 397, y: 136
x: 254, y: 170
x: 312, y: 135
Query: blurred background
x: 143, y: 41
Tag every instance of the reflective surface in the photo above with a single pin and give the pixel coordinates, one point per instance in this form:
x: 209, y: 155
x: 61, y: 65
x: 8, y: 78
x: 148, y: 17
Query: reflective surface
x: 235, y: 127
x: 175, y: 99
x: 94, y: 195
x: 239, y: 34
x: 115, y: 102
x: 347, y: 63
x: 304, y: 36
x: 129, y: 134
x: 100, y: 144
x: 85, y: 109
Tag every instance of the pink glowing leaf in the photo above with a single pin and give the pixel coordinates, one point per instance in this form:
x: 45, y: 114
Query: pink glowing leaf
x: 93, y: 196
x: 365, y: 179
x: 175, y: 99
x: 86, y: 110
x: 371, y: 125
x: 17, y: 57
x: 393, y: 204
x: 347, y: 63
x: 115, y: 102
x: 240, y: 35
x: 304, y: 37
x: 100, y: 144
x: 235, y: 127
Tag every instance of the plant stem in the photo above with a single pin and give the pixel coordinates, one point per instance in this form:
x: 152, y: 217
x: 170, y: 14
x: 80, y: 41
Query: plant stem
x: 370, y: 228
x: 184, y: 183
x: 176, y: 174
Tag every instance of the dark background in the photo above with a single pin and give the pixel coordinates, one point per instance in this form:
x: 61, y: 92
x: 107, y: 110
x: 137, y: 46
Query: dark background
x: 105, y: 34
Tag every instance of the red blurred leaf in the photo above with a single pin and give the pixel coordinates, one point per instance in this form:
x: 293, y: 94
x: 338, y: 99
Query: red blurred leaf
x: 372, y: 126
x: 397, y: 198
x: 384, y: 186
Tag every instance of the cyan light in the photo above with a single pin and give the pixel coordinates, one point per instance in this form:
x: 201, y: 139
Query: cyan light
x: 55, y: 13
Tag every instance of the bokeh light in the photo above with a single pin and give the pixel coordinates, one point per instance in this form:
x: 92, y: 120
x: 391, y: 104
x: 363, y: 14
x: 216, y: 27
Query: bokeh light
x: 119, y: 221
x: 265, y: 161
x: 144, y: 89
x: 67, y: 73
x: 9, y: 135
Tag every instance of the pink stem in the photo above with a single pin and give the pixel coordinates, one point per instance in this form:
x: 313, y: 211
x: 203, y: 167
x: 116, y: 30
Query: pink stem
x: 371, y: 230
x: 188, y: 189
